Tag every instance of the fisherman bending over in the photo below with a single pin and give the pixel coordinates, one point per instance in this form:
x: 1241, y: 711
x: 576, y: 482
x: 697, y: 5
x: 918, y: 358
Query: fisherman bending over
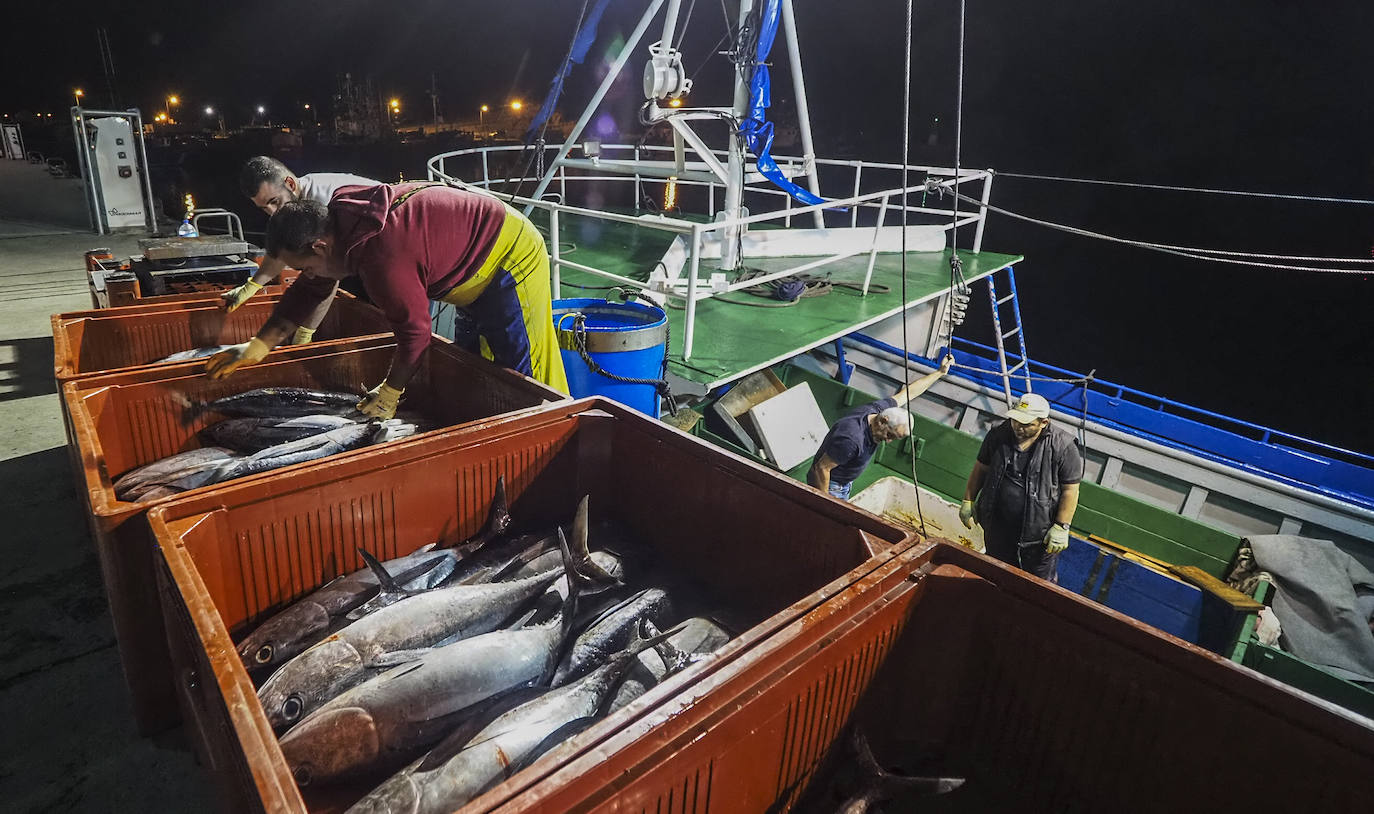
x: 270, y: 184
x: 851, y: 443
x: 411, y: 243
x: 1025, y: 482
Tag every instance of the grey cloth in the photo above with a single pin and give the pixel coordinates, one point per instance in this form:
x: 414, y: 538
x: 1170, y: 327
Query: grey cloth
x: 1322, y: 601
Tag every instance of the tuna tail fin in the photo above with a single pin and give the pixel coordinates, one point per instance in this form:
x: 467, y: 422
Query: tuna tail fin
x: 674, y: 659
x: 498, y: 516
x: 586, y: 567
x: 890, y: 782
x: 577, y: 583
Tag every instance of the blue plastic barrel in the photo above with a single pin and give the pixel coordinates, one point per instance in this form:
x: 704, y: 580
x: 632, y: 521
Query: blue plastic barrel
x: 628, y: 339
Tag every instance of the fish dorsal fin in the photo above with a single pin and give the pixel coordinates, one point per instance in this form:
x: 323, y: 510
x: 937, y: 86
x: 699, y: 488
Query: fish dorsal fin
x: 395, y: 591
x: 379, y: 571
x: 396, y: 658
x: 483, y: 715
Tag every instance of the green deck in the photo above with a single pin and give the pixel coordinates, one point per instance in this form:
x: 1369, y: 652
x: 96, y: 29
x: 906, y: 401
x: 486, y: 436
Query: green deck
x: 733, y: 340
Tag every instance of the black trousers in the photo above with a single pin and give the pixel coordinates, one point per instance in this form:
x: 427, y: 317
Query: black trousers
x: 1003, y: 542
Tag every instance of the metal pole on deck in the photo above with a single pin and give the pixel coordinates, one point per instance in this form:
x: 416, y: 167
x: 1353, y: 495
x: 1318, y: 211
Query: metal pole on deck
x: 734, y: 183
x: 789, y: 29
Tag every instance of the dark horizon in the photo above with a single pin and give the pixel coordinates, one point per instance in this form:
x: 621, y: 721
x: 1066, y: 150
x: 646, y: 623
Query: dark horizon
x: 1259, y: 96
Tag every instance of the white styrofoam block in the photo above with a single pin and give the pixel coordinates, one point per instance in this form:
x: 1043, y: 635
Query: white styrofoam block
x: 791, y: 426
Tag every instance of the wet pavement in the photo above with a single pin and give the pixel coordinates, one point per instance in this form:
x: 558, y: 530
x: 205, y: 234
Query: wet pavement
x: 69, y: 740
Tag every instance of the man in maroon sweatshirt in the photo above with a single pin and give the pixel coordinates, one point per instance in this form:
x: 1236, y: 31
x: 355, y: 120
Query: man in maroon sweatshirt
x: 412, y: 243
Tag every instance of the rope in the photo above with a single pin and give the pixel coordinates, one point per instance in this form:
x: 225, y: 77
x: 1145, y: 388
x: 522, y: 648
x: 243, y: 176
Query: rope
x: 1212, y: 255
x: 661, y: 385
x: 906, y: 347
x: 1174, y: 188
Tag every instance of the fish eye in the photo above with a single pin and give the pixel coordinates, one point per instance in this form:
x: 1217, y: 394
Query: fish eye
x: 292, y: 707
x: 302, y: 775
x: 264, y: 654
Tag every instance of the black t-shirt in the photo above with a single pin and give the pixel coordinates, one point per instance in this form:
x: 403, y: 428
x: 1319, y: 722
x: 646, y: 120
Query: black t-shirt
x: 850, y: 442
x: 1009, y: 505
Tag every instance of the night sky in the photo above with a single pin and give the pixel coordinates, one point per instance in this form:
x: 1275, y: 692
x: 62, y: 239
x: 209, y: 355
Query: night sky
x: 1254, y: 95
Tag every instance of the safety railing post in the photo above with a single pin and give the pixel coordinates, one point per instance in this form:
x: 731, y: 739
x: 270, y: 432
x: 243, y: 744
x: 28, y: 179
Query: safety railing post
x: 693, y: 266
x: 555, y: 264
x: 873, y: 250
x: 982, y: 214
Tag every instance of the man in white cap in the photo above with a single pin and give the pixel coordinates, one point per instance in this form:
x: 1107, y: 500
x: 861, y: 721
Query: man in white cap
x: 1025, y: 482
x: 852, y: 441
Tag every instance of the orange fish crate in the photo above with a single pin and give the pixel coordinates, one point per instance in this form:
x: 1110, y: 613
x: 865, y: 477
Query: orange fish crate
x: 127, y: 419
x: 766, y: 551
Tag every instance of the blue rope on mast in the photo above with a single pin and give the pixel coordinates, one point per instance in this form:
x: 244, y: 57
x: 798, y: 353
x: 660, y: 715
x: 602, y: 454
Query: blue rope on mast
x: 756, y: 129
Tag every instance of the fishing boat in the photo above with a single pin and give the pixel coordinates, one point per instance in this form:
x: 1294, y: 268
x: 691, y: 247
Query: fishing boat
x: 1170, y: 491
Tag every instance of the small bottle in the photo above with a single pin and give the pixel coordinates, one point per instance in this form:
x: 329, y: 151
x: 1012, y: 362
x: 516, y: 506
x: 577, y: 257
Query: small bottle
x: 187, y: 229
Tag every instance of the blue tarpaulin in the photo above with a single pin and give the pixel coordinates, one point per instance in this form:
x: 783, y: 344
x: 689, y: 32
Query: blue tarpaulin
x: 756, y: 129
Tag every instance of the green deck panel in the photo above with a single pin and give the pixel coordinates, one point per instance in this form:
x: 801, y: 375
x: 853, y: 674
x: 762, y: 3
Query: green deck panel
x: 946, y: 458
x: 732, y: 340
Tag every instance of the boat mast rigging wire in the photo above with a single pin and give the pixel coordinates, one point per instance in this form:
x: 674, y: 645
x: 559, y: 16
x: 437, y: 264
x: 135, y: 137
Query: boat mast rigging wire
x: 906, y: 347
x: 1193, y: 253
x: 1177, y: 188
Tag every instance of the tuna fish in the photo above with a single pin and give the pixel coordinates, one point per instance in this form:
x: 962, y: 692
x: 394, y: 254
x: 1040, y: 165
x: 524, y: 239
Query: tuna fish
x: 308, y: 620
x: 498, y: 520
x: 413, y: 704
x: 255, y: 434
x: 692, y: 641
x: 352, y: 655
x: 285, y: 402
x: 167, y: 469
x: 194, y: 353
x: 312, y: 448
x: 459, y: 770
x: 612, y: 632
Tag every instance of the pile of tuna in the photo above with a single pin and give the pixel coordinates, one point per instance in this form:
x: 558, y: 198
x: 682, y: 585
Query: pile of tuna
x: 459, y: 667
x: 272, y: 427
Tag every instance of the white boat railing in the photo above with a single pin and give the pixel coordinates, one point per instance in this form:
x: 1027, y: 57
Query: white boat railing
x: 471, y: 169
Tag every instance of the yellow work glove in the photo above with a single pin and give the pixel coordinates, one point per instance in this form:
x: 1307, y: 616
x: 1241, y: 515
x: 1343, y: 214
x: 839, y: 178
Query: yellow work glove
x: 1056, y: 539
x: 303, y: 336
x: 966, y: 514
x: 381, y: 401
x: 235, y: 297
x: 236, y: 356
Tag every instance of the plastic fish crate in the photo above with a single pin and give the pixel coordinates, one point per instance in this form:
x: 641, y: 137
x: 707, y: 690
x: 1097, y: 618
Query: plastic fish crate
x: 110, y: 339
x: 953, y: 664
x: 767, y: 550
x: 128, y: 419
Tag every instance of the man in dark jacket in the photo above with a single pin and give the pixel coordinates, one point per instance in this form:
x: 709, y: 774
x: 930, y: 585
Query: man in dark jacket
x: 1025, y: 482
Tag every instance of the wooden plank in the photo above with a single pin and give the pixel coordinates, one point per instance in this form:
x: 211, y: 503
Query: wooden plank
x: 1216, y: 587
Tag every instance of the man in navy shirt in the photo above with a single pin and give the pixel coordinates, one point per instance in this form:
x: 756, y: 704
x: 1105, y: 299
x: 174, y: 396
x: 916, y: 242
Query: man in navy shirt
x: 849, y: 446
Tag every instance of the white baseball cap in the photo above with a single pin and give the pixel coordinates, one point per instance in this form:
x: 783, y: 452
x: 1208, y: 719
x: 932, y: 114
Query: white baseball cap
x: 1029, y: 408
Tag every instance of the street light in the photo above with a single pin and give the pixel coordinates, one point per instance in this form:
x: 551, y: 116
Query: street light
x: 171, y: 100
x: 516, y: 105
x: 79, y: 93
